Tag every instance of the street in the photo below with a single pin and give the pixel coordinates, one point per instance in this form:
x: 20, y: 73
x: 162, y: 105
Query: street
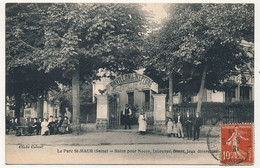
x: 106, y: 148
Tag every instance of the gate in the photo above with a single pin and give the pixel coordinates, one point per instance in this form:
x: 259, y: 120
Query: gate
x: 149, y: 111
x: 114, y: 120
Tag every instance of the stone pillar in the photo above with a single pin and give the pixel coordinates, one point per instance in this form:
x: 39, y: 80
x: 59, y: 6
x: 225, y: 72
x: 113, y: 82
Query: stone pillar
x: 102, y: 113
x: 159, y: 113
x: 238, y: 93
x: 45, y: 110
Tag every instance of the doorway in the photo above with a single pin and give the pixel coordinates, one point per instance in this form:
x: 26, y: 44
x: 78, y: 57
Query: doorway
x: 130, y: 98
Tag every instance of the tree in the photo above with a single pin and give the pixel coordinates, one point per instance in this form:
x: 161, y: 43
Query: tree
x: 80, y: 38
x: 161, y: 54
x: 22, y: 76
x: 28, y: 81
x: 207, y: 37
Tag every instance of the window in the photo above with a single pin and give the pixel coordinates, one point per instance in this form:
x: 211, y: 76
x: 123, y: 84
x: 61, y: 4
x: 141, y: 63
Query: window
x: 244, y: 93
x: 229, y: 94
x: 147, y: 96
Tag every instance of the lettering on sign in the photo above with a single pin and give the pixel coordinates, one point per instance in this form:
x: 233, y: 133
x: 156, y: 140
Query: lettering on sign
x: 131, y: 78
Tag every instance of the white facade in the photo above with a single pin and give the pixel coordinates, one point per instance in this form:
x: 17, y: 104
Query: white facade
x: 133, y: 89
x: 210, y: 96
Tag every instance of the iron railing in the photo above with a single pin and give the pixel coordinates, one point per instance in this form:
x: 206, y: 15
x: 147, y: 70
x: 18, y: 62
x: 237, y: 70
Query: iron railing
x: 231, y: 115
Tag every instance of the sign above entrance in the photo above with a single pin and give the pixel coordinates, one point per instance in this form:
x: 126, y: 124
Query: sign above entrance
x: 134, y: 78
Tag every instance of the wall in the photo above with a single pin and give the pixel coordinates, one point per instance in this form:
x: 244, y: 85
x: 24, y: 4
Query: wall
x: 210, y: 96
x: 177, y: 99
x: 218, y: 97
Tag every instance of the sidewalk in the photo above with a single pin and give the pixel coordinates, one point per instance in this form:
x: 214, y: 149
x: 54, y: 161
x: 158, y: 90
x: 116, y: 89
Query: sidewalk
x: 116, y: 137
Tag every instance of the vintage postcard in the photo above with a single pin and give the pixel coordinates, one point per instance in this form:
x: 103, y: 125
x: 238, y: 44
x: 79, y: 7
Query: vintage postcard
x: 129, y: 83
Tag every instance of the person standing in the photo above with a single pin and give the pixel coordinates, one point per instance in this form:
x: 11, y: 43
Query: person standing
x: 175, y: 130
x: 197, y: 123
x: 179, y: 121
x: 188, y: 124
x: 68, y: 114
x: 142, y: 122
x: 127, y: 115
x: 169, y: 125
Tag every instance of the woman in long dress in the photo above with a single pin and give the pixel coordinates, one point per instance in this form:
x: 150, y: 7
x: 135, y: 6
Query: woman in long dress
x: 142, y: 122
x: 45, y: 129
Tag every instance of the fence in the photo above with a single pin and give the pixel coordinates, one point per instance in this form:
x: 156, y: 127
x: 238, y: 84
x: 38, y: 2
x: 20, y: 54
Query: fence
x: 229, y: 115
x: 149, y: 112
x: 115, y: 116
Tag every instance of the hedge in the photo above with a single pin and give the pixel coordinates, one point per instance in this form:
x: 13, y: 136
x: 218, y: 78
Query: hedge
x: 238, y: 111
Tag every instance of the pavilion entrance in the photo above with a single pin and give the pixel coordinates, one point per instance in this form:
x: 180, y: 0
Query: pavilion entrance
x: 135, y: 90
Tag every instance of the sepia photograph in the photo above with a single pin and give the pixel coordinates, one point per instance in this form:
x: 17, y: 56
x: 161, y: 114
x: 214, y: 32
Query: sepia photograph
x: 129, y: 83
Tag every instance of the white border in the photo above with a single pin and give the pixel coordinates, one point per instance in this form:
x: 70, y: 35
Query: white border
x: 2, y: 84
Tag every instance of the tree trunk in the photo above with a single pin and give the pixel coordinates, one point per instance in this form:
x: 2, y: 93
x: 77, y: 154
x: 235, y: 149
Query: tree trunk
x: 202, y: 86
x: 170, y: 102
x: 75, y: 103
x: 39, y: 106
x: 18, y: 100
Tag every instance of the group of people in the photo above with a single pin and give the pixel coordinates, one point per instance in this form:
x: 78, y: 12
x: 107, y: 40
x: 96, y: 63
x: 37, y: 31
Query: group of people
x: 61, y: 125
x: 142, y: 119
x: 175, y: 126
x: 38, y: 126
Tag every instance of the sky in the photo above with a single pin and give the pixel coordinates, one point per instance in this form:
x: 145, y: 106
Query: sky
x: 157, y: 9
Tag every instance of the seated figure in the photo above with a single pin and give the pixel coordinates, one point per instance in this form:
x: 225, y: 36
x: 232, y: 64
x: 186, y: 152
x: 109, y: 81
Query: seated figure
x: 51, y: 125
x: 45, y: 129
x: 27, y: 130
x: 65, y: 126
x: 36, y: 126
x: 59, y: 124
x: 14, y: 125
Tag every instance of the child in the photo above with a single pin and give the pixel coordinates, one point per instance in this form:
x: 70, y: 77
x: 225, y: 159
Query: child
x: 169, y: 127
x: 175, y: 130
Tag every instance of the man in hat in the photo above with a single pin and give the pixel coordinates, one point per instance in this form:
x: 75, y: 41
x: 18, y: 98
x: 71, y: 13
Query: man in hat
x: 127, y: 115
x: 197, y: 123
x: 179, y: 120
x: 188, y: 124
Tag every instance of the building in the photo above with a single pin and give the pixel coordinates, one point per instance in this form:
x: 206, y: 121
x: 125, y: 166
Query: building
x: 30, y: 111
x: 237, y: 93
x: 133, y: 89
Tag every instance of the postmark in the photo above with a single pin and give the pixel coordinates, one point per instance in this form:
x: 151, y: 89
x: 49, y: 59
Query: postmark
x: 213, y: 141
x: 237, y: 144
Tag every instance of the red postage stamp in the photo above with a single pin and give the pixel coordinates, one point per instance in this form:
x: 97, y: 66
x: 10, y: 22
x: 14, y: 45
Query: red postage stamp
x: 237, y: 144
